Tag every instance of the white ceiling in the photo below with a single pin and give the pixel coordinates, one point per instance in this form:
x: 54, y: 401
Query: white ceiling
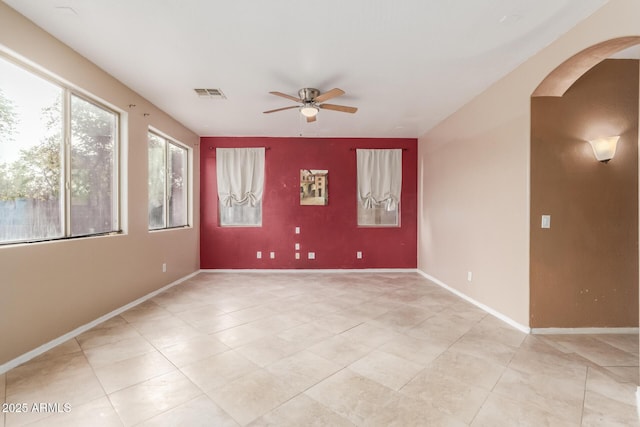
x: 405, y: 64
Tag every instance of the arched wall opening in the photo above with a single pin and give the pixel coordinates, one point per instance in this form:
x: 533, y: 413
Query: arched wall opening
x: 584, y: 268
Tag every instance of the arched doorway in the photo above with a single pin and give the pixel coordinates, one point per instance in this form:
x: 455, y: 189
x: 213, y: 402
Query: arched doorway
x: 567, y: 73
x: 584, y: 269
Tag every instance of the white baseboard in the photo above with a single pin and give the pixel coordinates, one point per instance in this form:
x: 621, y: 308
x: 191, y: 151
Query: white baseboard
x: 578, y: 331
x: 311, y: 270
x: 74, y: 333
x: 478, y: 304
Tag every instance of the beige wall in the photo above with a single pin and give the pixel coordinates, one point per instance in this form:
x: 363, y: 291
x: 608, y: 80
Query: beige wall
x: 584, y: 269
x: 49, y: 289
x: 473, y: 212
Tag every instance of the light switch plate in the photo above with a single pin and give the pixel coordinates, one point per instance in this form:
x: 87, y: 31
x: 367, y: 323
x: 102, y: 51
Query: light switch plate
x: 546, y: 221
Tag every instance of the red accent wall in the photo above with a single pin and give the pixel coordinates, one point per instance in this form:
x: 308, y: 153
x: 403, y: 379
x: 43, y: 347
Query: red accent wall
x: 330, y: 231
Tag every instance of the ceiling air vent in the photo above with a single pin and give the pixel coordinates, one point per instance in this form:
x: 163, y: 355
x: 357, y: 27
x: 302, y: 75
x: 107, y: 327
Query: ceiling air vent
x: 210, y: 93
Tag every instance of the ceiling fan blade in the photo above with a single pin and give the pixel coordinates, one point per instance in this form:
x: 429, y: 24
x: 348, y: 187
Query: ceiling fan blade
x: 328, y: 95
x: 311, y: 119
x: 281, y: 109
x: 284, y: 95
x: 342, y: 108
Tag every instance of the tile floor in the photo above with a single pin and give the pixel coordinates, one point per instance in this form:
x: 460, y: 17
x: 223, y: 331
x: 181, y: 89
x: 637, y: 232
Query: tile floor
x: 323, y: 350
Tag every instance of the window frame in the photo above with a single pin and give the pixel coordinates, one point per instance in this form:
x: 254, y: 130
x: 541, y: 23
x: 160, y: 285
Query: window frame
x: 396, y: 225
x: 68, y: 91
x: 242, y: 208
x: 187, y: 179
x: 115, y: 179
x: 377, y: 210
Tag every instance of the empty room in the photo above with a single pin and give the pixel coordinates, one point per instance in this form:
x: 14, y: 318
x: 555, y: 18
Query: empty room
x: 286, y: 213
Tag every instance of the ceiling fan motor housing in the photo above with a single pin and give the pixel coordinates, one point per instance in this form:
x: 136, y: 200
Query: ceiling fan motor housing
x: 308, y: 94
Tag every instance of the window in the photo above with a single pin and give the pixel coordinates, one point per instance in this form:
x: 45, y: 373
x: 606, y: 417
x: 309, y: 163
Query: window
x: 240, y: 175
x: 379, y: 187
x: 92, y: 168
x: 168, y: 183
x: 50, y: 189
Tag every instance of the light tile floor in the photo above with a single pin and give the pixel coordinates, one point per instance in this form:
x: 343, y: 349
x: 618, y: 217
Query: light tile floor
x: 323, y: 350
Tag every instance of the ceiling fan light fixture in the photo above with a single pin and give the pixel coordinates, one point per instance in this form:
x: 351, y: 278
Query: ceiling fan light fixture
x: 309, y: 110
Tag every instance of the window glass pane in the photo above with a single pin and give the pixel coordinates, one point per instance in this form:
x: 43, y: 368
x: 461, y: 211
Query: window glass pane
x: 157, y: 184
x: 378, y: 216
x: 30, y: 144
x: 92, y: 186
x: 240, y: 215
x: 168, y: 183
x: 177, y: 186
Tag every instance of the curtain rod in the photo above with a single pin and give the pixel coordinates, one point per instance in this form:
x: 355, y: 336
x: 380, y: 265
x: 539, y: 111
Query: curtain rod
x: 213, y: 148
x: 395, y: 148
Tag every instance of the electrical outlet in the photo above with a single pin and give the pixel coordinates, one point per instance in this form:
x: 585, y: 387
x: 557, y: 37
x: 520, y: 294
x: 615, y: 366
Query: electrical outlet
x: 297, y: 246
x: 359, y: 254
x: 259, y: 254
x: 297, y: 255
x: 272, y: 255
x: 311, y: 255
x: 164, y: 267
x: 469, y: 276
x: 297, y: 230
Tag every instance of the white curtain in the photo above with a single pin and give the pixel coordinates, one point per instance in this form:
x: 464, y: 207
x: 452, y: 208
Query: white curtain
x: 240, y: 173
x: 379, y: 177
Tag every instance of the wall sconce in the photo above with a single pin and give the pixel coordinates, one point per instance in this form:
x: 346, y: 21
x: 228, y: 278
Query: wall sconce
x: 604, y: 148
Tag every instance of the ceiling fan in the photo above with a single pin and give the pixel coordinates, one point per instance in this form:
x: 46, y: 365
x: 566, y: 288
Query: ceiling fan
x: 312, y: 101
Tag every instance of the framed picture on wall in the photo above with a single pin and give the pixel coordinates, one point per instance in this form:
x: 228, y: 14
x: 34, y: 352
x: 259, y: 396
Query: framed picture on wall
x: 314, y: 188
